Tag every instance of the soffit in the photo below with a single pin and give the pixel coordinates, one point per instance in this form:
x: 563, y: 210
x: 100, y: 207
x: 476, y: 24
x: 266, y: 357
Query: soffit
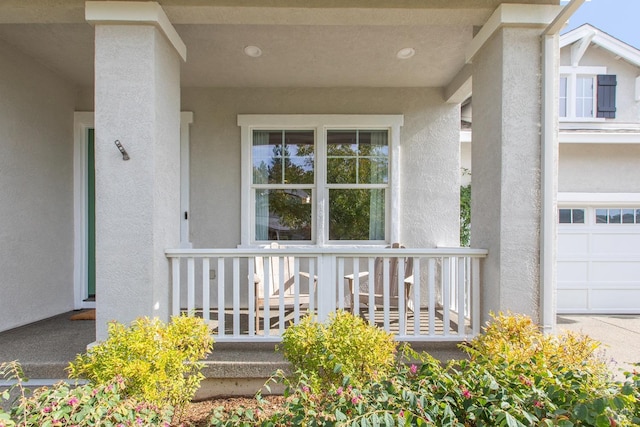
x: 332, y: 43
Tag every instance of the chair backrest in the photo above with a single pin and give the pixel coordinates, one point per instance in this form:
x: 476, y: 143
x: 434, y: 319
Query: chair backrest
x: 271, y: 265
x: 394, y: 271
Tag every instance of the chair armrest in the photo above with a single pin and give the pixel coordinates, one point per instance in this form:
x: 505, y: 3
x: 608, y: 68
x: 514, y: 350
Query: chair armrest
x: 351, y: 279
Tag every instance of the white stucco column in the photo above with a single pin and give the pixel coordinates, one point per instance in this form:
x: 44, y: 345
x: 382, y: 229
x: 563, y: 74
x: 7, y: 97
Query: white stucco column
x: 137, y: 102
x: 506, y: 156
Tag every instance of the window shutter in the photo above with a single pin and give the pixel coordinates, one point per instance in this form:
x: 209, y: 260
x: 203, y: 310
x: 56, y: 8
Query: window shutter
x: 607, y: 96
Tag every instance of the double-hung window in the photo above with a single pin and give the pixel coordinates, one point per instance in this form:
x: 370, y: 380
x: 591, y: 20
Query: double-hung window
x: 319, y: 179
x: 586, y: 93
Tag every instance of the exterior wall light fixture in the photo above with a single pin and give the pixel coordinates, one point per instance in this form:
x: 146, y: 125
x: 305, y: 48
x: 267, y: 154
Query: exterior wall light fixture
x: 125, y: 155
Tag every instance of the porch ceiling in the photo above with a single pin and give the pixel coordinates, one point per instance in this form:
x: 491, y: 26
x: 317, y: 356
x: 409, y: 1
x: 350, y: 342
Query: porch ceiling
x: 348, y: 43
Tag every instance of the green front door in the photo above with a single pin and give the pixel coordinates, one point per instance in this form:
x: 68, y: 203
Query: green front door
x: 91, y: 216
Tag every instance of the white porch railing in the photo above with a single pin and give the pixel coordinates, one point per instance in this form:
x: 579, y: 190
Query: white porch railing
x: 237, y: 290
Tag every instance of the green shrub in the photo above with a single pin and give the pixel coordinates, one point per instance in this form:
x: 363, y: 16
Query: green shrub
x: 344, y: 346
x: 515, y: 376
x: 159, y: 363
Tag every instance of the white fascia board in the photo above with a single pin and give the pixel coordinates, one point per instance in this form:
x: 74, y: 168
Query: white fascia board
x: 590, y: 71
x: 604, y: 40
x: 599, y: 138
x: 512, y: 15
x: 598, y: 199
x: 304, y: 120
x: 134, y: 13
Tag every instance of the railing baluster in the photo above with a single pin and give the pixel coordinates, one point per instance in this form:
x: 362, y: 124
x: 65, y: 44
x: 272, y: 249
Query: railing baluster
x: 386, y: 292
x: 266, y: 312
x: 281, y: 293
x: 356, y: 286
x: 206, y: 290
x: 175, y: 270
x: 461, y: 294
x: 371, y: 286
x: 431, y: 311
x: 341, y: 280
x: 251, y: 291
x: 416, y: 296
x: 446, y: 285
x: 401, y: 307
x: 312, y: 285
x: 475, y: 296
x: 221, y: 303
x: 191, y: 285
x: 236, y: 296
x: 296, y: 290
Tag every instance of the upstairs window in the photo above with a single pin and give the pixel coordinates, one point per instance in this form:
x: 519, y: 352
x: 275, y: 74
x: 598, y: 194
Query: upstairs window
x: 586, y: 93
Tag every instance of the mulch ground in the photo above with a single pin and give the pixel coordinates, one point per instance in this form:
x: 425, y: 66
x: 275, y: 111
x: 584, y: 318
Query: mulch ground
x: 198, y: 414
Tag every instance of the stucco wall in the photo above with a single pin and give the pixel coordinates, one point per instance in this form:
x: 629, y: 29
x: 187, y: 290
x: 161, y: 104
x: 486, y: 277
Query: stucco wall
x: 506, y: 169
x: 582, y: 168
x: 429, y: 164
x: 36, y: 191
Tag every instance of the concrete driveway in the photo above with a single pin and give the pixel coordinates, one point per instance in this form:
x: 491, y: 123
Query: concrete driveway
x: 619, y: 335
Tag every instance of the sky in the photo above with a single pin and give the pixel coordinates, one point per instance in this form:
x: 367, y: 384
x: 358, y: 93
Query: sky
x: 618, y: 18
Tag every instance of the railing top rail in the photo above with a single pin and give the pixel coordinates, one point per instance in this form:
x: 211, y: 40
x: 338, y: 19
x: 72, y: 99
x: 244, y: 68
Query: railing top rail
x: 338, y: 251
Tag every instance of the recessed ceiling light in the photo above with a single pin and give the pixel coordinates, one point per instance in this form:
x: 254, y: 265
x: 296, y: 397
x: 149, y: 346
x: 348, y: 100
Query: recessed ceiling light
x: 406, y: 53
x: 253, y: 51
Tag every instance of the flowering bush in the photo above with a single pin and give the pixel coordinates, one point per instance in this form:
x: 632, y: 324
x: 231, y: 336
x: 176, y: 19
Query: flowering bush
x: 515, y: 376
x: 159, y: 362
x: 343, y: 347
x: 84, y: 405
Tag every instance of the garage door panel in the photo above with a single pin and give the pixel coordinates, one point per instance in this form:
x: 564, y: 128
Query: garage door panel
x: 573, y: 271
x: 615, y: 243
x: 614, y: 271
x: 573, y: 243
x: 572, y: 300
x: 615, y: 299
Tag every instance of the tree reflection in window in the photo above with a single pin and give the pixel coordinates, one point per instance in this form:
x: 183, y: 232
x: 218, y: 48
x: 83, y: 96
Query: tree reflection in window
x: 283, y: 160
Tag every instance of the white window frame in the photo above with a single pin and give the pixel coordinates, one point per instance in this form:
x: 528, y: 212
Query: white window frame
x: 320, y: 123
x: 572, y: 74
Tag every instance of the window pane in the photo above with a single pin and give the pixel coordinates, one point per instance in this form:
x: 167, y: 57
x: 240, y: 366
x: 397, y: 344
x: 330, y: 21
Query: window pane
x: 341, y: 170
x: 578, y: 216
x: 637, y: 216
x: 299, y: 157
x: 356, y: 214
x: 614, y: 216
x: 601, y: 216
x: 342, y: 143
x: 373, y: 143
x: 283, y: 214
x: 564, y: 216
x: 283, y: 157
x: 584, y: 97
x: 563, y: 97
x: 627, y: 216
x: 373, y: 171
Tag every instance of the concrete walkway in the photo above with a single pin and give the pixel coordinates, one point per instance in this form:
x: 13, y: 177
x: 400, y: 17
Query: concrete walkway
x: 619, y: 335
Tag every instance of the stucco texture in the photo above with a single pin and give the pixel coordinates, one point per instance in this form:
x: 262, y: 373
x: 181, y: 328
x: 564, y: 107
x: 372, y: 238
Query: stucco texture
x: 429, y: 155
x: 506, y: 169
x: 137, y: 201
x: 582, y: 169
x: 36, y: 191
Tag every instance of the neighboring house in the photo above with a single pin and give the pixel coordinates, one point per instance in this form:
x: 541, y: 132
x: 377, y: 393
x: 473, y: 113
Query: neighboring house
x: 598, y: 175
x: 335, y: 124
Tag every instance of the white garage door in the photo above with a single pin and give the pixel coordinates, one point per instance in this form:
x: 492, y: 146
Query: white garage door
x: 599, y: 259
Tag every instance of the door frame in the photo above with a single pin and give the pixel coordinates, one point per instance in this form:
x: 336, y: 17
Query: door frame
x: 82, y: 122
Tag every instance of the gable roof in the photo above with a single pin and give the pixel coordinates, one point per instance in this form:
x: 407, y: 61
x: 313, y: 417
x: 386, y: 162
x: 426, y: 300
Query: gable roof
x: 589, y: 34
